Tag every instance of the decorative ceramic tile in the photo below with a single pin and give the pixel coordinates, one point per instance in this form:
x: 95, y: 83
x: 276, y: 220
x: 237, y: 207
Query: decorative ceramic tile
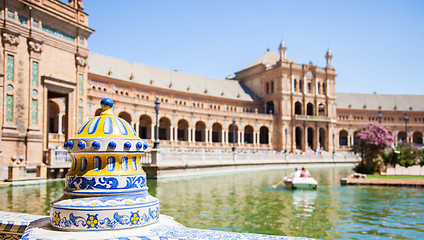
x: 165, y: 229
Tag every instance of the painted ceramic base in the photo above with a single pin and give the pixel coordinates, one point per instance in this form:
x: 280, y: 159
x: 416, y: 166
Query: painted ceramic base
x: 104, y: 213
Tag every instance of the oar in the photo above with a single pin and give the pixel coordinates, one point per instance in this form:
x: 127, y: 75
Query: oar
x: 275, y: 186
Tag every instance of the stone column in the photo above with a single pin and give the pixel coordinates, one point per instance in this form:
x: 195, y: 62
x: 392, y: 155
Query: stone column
x: 176, y: 133
x: 238, y: 137
x: 193, y: 134
x: 242, y: 137
x: 269, y: 138
x: 222, y: 136
x: 59, y: 124
x: 206, y: 135
x: 171, y: 133
x: 254, y: 138
x: 152, y: 132
x: 226, y: 136
x: 189, y: 135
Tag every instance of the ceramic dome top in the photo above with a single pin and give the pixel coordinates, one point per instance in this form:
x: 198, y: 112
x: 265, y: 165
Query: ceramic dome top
x: 106, y: 133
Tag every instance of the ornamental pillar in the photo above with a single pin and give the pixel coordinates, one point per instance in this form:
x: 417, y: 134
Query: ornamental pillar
x: 189, y: 134
x: 171, y: 133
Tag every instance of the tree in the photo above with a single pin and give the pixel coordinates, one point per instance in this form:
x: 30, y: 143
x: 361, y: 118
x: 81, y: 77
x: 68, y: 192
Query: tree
x: 373, y: 139
x: 404, y: 154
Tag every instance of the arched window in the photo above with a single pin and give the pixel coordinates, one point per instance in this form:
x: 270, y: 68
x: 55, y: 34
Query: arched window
x: 231, y: 136
x: 270, y: 107
x: 263, y: 135
x: 200, y: 131
x: 164, y: 128
x: 401, y: 136
x: 298, y: 108
x: 311, y: 138
x: 126, y: 116
x: 310, y: 109
x: 299, y: 138
x: 322, y: 139
x: 145, y: 127
x: 321, y: 110
x: 343, y: 138
x: 216, y: 132
x: 417, y: 138
x: 248, y: 134
x: 182, y: 130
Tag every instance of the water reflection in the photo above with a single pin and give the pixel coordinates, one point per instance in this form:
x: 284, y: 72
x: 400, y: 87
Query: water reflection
x: 32, y: 199
x: 247, y: 202
x: 304, y: 200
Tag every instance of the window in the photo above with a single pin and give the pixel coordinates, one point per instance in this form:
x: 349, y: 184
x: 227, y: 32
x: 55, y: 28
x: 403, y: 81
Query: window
x: 80, y: 84
x: 11, y: 14
x: 58, y: 33
x: 301, y: 86
x: 35, y: 74
x: 9, y: 108
x: 267, y: 88
x: 81, y: 41
x: 295, y: 85
x: 34, y: 111
x: 272, y: 86
x: 309, y: 87
x: 10, y: 67
x: 35, y: 23
x: 23, y: 20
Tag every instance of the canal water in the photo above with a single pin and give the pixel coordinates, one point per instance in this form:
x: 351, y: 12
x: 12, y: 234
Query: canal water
x: 246, y: 202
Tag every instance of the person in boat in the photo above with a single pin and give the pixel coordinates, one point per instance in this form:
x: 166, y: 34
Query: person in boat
x: 305, y: 173
x: 295, y: 174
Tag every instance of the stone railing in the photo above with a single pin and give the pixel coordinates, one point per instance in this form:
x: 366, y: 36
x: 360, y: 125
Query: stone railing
x: 193, y: 159
x: 312, y: 118
x: 57, y: 158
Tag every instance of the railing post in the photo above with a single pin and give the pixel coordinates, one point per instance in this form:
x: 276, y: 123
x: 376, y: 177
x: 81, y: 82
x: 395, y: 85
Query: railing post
x: 155, y: 155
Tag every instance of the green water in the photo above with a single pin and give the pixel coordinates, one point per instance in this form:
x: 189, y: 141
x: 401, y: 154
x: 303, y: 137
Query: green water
x: 246, y: 202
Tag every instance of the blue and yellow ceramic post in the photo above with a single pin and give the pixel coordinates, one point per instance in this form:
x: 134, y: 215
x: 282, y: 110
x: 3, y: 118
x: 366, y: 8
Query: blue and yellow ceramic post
x: 106, y: 187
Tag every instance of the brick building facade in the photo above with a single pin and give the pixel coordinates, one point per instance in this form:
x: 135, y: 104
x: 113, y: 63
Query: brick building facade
x: 51, y: 84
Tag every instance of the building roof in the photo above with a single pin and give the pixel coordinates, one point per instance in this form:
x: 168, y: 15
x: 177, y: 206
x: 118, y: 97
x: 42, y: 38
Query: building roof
x: 166, y: 79
x: 269, y: 58
x: 387, y: 102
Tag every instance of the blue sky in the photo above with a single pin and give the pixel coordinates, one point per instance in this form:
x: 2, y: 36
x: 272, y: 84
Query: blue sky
x: 378, y: 46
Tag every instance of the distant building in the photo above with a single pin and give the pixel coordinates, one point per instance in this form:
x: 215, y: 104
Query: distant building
x: 51, y: 84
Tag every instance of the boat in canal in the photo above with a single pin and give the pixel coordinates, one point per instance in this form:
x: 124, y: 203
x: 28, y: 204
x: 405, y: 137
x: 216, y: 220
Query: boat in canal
x: 300, y: 183
x: 297, y: 183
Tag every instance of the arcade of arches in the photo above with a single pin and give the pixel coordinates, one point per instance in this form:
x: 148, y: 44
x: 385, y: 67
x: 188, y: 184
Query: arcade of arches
x: 198, y: 132
x: 347, y: 140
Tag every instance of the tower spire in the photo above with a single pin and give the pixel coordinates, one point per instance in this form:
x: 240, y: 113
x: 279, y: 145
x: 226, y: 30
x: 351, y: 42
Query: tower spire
x: 329, y: 58
x: 282, y: 49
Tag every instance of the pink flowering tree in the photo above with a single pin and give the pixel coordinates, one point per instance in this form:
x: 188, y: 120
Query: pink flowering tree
x: 371, y: 141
